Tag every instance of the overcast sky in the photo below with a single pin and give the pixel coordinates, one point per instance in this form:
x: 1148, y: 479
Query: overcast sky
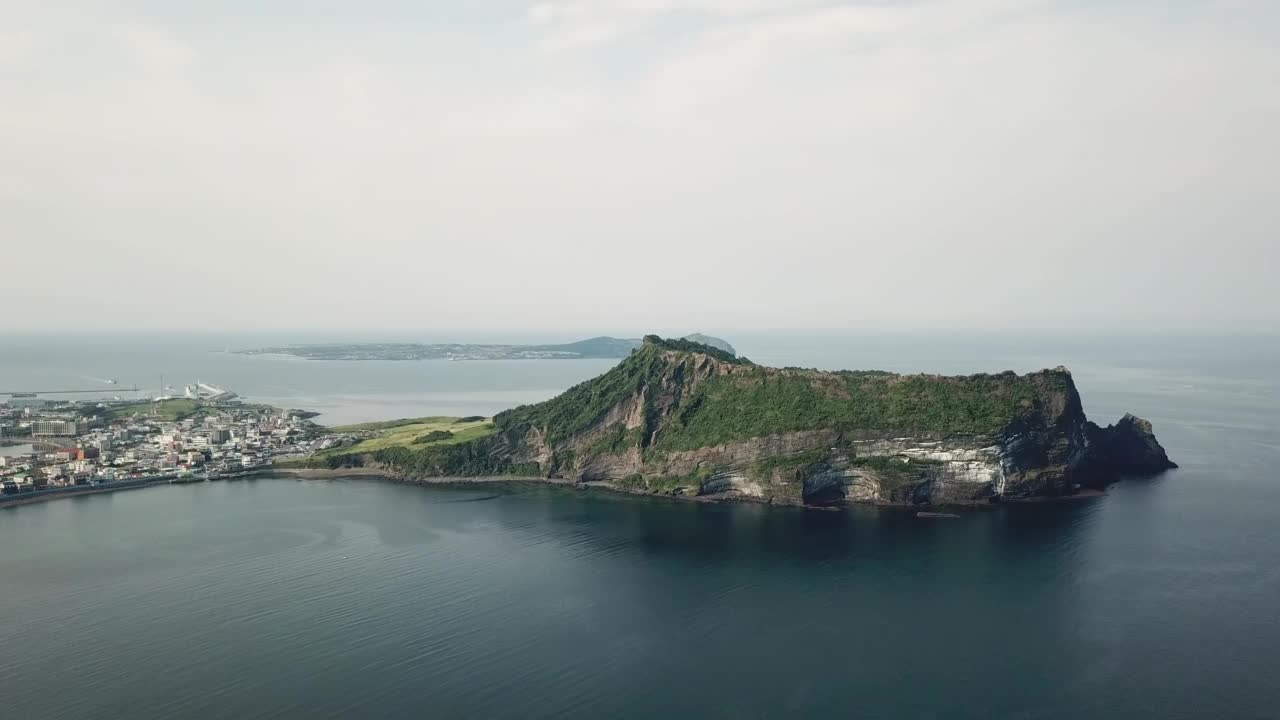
x: 444, y: 164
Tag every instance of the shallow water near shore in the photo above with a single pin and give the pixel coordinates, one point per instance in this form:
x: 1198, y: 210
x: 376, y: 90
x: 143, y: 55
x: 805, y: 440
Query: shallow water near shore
x: 276, y: 597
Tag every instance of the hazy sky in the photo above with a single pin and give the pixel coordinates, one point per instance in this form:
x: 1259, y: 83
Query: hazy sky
x: 640, y: 163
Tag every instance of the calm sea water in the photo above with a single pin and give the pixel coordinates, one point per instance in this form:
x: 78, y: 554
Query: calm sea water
x: 344, y: 392
x: 278, y: 598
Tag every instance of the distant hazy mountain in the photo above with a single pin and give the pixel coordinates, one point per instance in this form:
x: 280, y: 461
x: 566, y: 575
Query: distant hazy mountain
x: 597, y: 347
x: 610, y: 347
x: 714, y: 342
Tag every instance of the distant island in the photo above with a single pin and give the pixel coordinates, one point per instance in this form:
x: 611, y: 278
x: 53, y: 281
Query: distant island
x: 686, y: 419
x: 597, y: 347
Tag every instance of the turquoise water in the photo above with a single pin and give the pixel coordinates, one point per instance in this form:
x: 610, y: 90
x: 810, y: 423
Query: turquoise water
x: 279, y: 598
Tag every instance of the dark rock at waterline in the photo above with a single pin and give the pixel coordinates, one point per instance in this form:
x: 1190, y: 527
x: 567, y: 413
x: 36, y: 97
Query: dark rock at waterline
x: 1129, y: 447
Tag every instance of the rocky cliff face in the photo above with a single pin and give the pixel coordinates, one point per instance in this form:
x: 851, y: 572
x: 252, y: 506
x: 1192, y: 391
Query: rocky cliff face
x: 1127, y: 448
x: 694, y: 421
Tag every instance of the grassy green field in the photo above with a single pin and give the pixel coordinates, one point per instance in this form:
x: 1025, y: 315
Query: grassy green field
x: 175, y: 409
x: 403, y: 433
x: 391, y: 424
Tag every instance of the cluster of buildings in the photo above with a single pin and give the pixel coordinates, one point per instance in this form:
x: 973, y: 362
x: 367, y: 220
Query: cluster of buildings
x: 52, y: 445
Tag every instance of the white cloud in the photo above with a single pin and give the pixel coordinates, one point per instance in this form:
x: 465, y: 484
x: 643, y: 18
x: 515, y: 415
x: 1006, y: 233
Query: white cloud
x: 150, y: 49
x: 575, y: 10
x: 601, y: 21
x: 754, y: 163
x: 583, y: 24
x: 20, y: 48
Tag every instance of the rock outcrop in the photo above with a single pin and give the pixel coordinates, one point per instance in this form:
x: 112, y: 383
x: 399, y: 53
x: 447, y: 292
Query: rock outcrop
x: 1127, y: 448
x: 684, y: 419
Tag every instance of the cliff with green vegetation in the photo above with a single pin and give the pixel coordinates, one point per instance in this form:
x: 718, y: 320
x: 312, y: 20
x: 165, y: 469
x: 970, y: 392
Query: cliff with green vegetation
x: 681, y: 418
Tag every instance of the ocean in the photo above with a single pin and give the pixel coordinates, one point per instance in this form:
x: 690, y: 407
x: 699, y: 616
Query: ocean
x: 282, y: 598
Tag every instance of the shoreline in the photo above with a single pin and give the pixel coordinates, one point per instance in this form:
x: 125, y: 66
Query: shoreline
x: 11, y: 441
x: 727, y: 498
x: 80, y: 490
x: 7, y: 501
x: 328, y: 473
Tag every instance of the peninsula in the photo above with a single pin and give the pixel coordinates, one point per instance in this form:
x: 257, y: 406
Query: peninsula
x: 597, y: 347
x: 686, y: 419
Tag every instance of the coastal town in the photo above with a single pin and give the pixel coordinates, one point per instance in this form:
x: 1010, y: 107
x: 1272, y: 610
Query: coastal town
x: 54, y: 446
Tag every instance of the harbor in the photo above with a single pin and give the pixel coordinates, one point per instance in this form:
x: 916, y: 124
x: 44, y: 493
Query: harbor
x: 53, y: 447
